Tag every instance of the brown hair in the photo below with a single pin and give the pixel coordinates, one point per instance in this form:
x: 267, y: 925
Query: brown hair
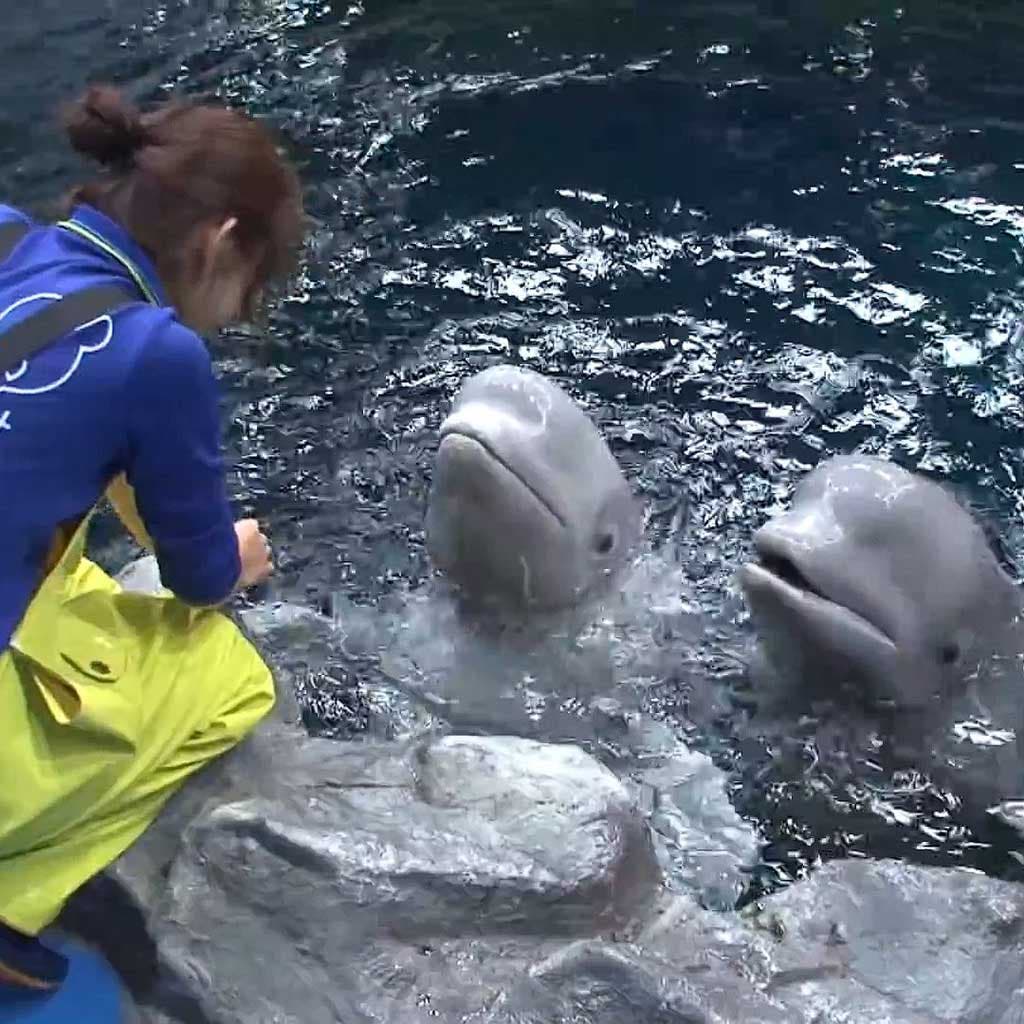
x: 180, y: 166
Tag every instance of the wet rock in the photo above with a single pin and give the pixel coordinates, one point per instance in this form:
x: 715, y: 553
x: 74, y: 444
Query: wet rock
x: 342, y: 864
x: 501, y: 880
x: 115, y: 910
x: 693, y: 966
x: 141, y: 576
x: 857, y: 943
x: 381, y: 981
x: 599, y: 983
x: 462, y: 834
x: 947, y: 944
x: 708, y: 849
x: 864, y: 941
x: 729, y: 961
x: 469, y: 879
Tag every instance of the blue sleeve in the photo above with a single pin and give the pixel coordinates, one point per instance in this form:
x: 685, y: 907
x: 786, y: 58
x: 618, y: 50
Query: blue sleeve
x: 175, y: 466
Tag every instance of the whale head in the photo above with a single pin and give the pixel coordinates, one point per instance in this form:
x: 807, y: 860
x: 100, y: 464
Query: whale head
x: 528, y: 508
x: 876, y: 580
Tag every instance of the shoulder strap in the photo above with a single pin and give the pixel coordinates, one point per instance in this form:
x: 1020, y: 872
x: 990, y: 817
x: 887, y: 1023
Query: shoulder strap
x: 58, y: 319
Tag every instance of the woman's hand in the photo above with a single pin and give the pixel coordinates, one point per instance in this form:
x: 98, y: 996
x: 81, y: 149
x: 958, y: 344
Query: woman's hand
x: 254, y: 553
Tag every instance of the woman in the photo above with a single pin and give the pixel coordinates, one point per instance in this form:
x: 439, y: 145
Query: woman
x: 110, y: 700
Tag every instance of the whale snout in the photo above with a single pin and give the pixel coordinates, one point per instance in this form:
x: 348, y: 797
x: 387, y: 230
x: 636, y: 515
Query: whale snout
x: 811, y: 638
x: 485, y: 454
x: 492, y: 532
x: 812, y: 615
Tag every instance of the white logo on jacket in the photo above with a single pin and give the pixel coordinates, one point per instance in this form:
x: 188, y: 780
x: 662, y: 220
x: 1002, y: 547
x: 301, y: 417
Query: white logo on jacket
x: 19, y: 380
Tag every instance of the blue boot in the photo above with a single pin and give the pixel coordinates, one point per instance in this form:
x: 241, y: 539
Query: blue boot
x: 81, y: 987
x: 26, y: 963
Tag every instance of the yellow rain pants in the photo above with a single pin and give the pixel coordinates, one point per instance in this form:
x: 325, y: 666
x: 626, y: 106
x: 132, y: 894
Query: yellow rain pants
x: 109, y: 701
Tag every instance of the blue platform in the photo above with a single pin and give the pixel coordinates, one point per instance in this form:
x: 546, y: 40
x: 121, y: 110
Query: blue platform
x: 91, y: 994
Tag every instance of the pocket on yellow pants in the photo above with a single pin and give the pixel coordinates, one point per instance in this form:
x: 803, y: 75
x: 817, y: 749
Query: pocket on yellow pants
x: 84, y: 672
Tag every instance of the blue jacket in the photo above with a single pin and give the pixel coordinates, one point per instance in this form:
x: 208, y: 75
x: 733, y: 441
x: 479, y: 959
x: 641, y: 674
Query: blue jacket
x: 133, y: 394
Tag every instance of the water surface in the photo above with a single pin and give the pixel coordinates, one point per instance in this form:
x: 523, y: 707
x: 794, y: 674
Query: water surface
x: 745, y: 237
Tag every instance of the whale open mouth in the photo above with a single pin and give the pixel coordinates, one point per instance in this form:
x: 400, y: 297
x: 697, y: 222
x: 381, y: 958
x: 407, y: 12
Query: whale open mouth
x: 463, y: 429
x: 776, y: 575
x: 786, y: 571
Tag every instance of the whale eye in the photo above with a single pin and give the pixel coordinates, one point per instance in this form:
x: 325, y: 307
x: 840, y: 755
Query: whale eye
x: 605, y: 543
x: 949, y: 654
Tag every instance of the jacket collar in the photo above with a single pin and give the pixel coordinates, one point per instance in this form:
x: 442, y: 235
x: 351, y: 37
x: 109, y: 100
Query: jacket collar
x: 114, y: 241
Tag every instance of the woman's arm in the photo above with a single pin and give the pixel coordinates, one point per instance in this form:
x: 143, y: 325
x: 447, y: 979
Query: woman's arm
x: 174, y: 471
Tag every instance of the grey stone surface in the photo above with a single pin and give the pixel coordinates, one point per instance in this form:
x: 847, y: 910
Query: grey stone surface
x: 141, y: 576
x: 508, y: 882
x: 600, y: 983
x: 865, y: 941
x: 947, y: 944
x: 856, y: 943
x: 457, y: 835
x: 333, y: 861
x: 501, y: 880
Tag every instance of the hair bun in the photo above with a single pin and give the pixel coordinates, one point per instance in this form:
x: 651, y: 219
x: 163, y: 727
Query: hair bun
x: 105, y: 126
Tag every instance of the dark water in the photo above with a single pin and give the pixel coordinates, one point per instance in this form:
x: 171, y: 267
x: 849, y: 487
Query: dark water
x: 744, y: 235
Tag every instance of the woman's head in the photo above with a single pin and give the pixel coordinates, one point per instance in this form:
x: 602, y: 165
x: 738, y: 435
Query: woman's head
x: 203, y: 189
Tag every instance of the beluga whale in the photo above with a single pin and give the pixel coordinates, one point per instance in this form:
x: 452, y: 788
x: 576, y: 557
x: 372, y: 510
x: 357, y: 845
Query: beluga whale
x: 532, y: 531
x: 877, y: 581
x: 529, y: 512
